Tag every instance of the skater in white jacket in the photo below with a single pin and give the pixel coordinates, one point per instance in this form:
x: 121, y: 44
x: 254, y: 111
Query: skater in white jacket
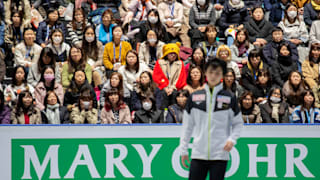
x: 212, y: 115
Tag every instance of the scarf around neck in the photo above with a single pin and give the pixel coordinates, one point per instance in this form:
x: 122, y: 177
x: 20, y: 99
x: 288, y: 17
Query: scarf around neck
x: 53, y: 114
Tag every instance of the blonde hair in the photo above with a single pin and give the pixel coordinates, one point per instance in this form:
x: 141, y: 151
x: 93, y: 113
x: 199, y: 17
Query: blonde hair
x: 224, y: 48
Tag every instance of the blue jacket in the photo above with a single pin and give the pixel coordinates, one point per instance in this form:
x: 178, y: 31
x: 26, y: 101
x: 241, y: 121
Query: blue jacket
x: 135, y: 103
x: 270, y: 52
x: 232, y: 16
x: 276, y: 14
x: 42, y: 32
x: 269, y: 4
x: 313, y: 116
x: 252, y: 3
x: 309, y: 14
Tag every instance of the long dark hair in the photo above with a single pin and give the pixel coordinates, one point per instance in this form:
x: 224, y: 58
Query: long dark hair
x: 49, y: 11
x: 54, y: 31
x: 73, y: 22
x: 308, y: 91
x: 108, y: 104
x: 203, y: 63
x: 20, y: 107
x: 264, y: 72
x: 314, y: 46
x: 13, y: 12
x: 49, y: 53
x: 234, y: 85
x: 286, y: 12
x: 246, y: 41
x: 287, y: 45
x: 145, y: 90
x: 88, y: 47
x: 14, y: 79
x: 271, y: 92
x: 136, y: 66
x: 159, y: 27
x: 46, y: 98
x: 189, y: 80
x: 72, y: 65
x: 42, y: 76
x: 244, y: 95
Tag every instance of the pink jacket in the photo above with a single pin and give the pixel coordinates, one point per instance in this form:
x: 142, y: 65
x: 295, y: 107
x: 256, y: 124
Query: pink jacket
x: 108, y: 118
x: 41, y: 92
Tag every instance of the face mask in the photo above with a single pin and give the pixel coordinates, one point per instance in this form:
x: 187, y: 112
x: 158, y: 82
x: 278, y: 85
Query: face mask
x: 147, y: 106
x: 292, y: 14
x: 90, y: 38
x: 275, y: 99
x: 57, y: 40
x: 235, y: 2
x: 201, y: 2
x: 153, y: 20
x: 86, y: 104
x: 49, y: 77
x: 152, y: 40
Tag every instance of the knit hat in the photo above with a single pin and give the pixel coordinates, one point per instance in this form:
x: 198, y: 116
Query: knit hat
x: 171, y: 48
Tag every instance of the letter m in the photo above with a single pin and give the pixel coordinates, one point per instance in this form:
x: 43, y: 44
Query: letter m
x: 30, y: 156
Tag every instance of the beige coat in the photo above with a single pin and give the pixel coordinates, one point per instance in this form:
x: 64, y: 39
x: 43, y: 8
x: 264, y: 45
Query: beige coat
x: 34, y: 117
x: 144, y: 55
x: 172, y: 70
x: 310, y: 73
x: 27, y: 12
x: 21, y: 51
x: 90, y: 117
x: 108, y: 118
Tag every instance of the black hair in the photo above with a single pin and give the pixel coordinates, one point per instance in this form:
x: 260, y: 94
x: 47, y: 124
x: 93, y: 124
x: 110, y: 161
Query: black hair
x: 27, y: 29
x: 272, y: 90
x: 202, y: 65
x: 45, y: 103
x: 20, y: 107
x: 234, y: 85
x: 14, y: 80
x: 215, y: 63
x: 49, y: 53
x: 42, y: 76
x: 276, y: 29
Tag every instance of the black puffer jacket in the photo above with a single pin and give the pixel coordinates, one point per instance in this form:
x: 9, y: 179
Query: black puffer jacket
x: 281, y: 69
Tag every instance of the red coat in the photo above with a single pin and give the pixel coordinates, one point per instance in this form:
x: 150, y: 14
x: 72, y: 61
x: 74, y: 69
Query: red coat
x: 162, y: 81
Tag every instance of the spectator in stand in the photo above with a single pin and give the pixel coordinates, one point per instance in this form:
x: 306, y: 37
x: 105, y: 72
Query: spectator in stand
x: 76, y: 61
x: 169, y: 73
x: 310, y: 67
x: 54, y: 112
x: 151, y: 49
x: 263, y: 86
x: 47, y: 26
x: 27, y: 52
x: 277, y: 10
x: 250, y: 71
x: 132, y: 69
x: 171, y: 15
x: 143, y: 89
x: 59, y: 47
x: 115, y: 111
x: 230, y: 83
x: 202, y: 13
x: 152, y: 23
x: 175, y: 111
x: 138, y: 10
x: 115, y: 81
x: 250, y: 111
x: 5, y: 111
x: 211, y: 44
x: 13, y: 32
x: 270, y: 51
x: 19, y: 84
x: 295, y: 30
x: 224, y: 53
x: 195, y: 79
x: 148, y: 113
x: 293, y: 89
x: 259, y: 29
x: 79, y: 84
x: 104, y: 30
x: 115, y: 52
x: 85, y: 112
x: 275, y: 110
x: 311, y: 11
x: 76, y: 27
x: 307, y: 112
x: 284, y: 65
x: 47, y: 83
x: 25, y: 112
x: 22, y: 6
x: 314, y: 32
x: 234, y: 15
x: 241, y: 48
x: 198, y: 58
x: 47, y: 57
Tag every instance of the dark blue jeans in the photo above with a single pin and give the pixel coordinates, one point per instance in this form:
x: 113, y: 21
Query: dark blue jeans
x: 199, y: 169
